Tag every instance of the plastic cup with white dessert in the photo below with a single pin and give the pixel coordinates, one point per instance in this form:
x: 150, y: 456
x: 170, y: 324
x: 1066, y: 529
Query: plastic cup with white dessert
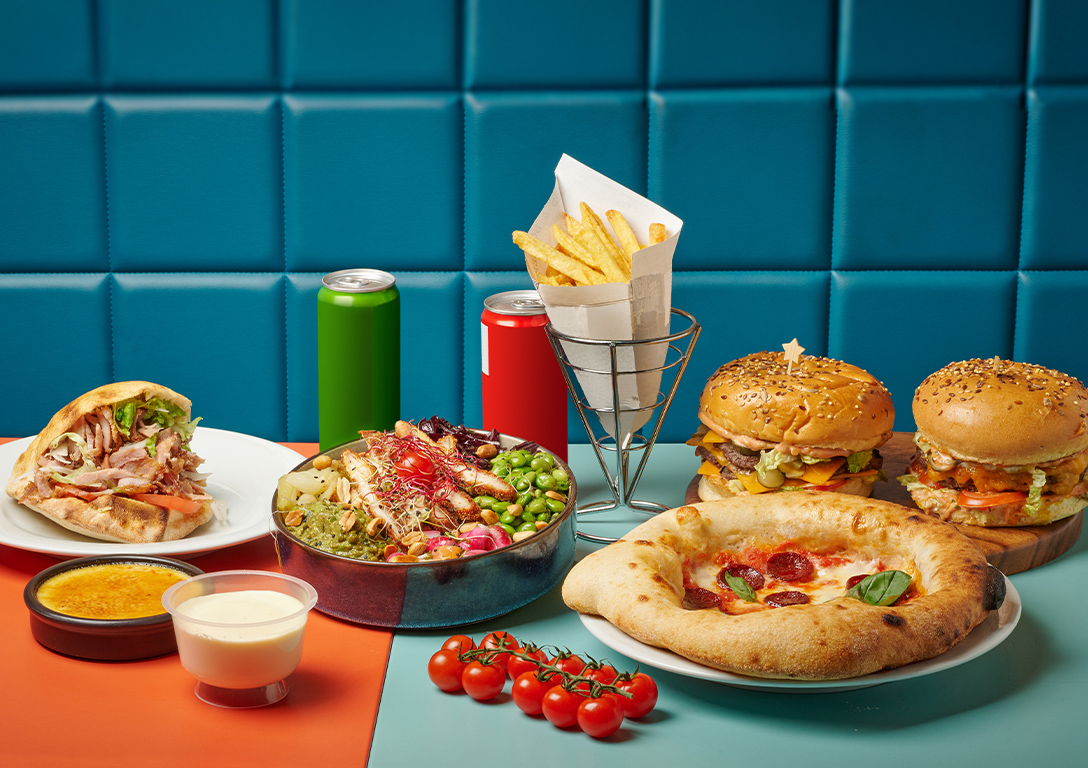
x: 240, y: 633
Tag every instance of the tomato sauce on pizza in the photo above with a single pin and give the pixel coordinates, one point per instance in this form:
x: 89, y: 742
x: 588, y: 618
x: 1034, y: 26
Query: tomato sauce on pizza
x: 759, y: 578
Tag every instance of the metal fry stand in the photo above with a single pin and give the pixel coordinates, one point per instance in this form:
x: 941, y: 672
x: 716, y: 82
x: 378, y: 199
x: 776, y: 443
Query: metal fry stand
x: 621, y: 385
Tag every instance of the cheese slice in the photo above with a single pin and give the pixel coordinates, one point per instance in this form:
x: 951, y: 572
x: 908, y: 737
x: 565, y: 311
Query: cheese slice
x: 819, y: 474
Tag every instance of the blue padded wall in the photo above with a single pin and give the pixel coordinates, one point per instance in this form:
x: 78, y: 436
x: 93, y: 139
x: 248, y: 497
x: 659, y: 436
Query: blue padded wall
x: 898, y: 183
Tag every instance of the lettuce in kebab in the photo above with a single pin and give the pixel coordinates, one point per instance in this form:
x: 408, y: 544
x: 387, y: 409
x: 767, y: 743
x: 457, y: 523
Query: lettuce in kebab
x: 1000, y: 443
x: 771, y: 426
x: 115, y: 464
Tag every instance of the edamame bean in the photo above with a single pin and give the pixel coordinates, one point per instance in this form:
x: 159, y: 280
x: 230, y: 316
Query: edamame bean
x: 500, y: 506
x: 485, y: 502
x: 525, y: 498
x: 555, y: 505
x: 507, y: 519
x: 518, y: 460
x: 527, y: 527
x: 536, y: 506
x: 560, y: 475
x: 545, y: 482
x: 508, y: 528
x: 528, y: 516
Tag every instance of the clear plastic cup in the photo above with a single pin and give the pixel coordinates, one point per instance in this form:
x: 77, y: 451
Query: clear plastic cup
x: 240, y: 633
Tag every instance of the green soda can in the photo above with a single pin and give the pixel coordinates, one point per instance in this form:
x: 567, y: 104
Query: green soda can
x: 358, y: 354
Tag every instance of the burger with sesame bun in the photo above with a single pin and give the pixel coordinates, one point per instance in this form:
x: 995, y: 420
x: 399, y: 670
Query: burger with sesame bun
x: 769, y: 426
x: 1000, y: 444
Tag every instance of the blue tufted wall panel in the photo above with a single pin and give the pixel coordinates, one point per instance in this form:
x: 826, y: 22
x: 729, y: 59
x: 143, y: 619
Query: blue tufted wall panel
x: 898, y: 183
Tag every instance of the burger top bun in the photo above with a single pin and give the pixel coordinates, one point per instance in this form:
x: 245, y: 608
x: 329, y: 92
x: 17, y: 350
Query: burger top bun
x: 1001, y: 412
x: 822, y: 403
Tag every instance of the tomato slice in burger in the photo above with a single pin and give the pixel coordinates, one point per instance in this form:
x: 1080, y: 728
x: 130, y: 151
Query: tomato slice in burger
x: 976, y: 499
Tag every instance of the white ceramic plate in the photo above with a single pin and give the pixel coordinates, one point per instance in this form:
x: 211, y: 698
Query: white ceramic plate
x: 243, y: 473
x: 986, y: 636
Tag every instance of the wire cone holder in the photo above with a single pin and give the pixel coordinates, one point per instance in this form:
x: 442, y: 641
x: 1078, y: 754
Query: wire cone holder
x: 615, y: 420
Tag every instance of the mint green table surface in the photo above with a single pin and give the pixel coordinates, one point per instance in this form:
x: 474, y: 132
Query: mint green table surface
x: 1025, y: 703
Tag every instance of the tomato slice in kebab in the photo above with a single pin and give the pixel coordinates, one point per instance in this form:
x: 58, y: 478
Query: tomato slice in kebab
x: 176, y: 503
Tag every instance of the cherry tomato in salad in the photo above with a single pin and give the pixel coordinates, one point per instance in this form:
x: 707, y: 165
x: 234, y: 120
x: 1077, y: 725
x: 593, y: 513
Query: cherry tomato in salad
x: 483, y: 681
x: 503, y: 639
x: 459, y: 643
x: 516, y: 666
x: 600, y: 717
x: 528, y: 691
x: 414, y: 465
x: 560, y: 706
x: 643, y: 692
x: 445, y: 670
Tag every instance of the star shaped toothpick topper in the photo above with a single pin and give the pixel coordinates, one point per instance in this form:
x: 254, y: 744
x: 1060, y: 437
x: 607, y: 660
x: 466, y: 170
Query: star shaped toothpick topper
x: 793, y: 352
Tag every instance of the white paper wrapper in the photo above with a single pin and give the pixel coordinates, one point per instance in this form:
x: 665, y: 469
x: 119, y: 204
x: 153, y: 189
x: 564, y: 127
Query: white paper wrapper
x: 640, y: 309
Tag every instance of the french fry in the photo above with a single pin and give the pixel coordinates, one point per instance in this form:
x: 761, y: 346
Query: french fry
x: 591, y: 220
x: 657, y: 234
x: 568, y: 245
x: 565, y: 264
x: 624, y: 234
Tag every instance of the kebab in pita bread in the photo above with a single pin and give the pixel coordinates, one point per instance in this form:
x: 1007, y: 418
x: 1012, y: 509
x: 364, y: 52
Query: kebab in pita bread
x: 115, y: 464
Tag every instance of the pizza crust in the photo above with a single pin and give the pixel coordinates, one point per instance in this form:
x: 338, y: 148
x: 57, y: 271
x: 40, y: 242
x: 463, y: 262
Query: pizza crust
x: 637, y: 584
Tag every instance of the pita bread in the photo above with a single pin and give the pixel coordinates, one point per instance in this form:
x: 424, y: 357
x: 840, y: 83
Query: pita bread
x: 638, y: 585
x: 108, y: 517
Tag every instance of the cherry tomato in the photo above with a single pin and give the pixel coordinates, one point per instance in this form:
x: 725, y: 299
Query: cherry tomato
x: 506, y: 640
x: 445, y: 670
x: 568, y: 662
x: 643, y: 692
x: 600, y: 717
x: 515, y: 665
x: 604, y: 673
x: 414, y: 465
x: 560, y: 706
x: 459, y: 643
x: 483, y: 681
x: 529, y: 689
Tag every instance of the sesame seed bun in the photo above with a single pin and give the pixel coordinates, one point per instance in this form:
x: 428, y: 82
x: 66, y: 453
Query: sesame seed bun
x: 1002, y: 412
x: 822, y: 407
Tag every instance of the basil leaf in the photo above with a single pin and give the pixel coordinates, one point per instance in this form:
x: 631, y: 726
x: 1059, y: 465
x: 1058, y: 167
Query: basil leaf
x: 882, y: 588
x: 741, y: 588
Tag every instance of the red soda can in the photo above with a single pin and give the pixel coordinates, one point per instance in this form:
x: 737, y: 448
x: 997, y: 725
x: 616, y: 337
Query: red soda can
x: 524, y: 393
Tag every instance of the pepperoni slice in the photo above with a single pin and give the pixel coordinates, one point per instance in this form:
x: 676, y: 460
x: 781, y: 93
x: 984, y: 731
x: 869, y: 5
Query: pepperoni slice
x: 696, y: 598
x: 789, y: 566
x: 790, y: 597
x: 853, y: 581
x: 741, y: 571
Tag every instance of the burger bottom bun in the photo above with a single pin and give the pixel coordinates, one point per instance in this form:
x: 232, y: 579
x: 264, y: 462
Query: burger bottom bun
x: 941, y: 503
x: 712, y: 488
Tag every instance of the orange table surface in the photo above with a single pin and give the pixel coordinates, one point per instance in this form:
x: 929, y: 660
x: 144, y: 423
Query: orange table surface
x: 58, y: 711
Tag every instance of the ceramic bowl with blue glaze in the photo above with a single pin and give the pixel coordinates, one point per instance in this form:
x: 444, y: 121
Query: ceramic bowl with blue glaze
x: 432, y: 593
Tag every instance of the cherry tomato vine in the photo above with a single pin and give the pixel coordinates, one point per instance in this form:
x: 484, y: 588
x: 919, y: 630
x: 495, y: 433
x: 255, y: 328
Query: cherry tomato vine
x: 567, y: 689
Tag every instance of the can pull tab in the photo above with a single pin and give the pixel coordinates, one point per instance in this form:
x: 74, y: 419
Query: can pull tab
x: 533, y: 305
x: 355, y: 282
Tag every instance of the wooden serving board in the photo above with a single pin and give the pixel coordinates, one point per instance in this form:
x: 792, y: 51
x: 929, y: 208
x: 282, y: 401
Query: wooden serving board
x: 1011, y: 550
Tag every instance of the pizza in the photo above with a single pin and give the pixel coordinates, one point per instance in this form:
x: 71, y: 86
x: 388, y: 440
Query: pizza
x: 805, y: 585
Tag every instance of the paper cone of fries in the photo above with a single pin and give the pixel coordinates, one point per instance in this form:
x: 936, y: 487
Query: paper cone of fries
x: 625, y: 294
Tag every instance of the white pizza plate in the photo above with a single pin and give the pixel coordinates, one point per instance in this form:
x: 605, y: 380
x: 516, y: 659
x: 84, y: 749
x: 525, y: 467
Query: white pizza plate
x: 243, y: 473
x: 985, y: 637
